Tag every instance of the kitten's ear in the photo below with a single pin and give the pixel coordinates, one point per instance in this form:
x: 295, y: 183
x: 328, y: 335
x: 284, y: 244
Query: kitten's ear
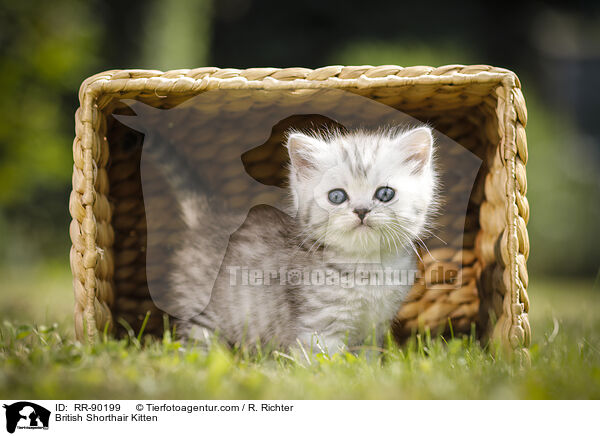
x: 301, y: 149
x: 419, y: 143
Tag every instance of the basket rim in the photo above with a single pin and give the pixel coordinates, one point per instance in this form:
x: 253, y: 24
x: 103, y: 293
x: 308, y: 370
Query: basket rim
x: 183, y: 81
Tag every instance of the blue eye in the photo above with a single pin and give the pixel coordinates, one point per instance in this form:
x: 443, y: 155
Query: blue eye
x: 384, y: 194
x: 337, y: 196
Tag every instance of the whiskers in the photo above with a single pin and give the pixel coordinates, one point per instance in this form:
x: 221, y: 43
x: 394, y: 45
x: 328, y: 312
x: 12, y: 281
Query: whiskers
x: 395, y: 231
x: 339, y: 233
x: 392, y: 233
x: 314, y: 235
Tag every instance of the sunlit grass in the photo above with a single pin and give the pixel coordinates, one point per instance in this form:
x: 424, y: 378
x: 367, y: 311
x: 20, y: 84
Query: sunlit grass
x: 39, y: 359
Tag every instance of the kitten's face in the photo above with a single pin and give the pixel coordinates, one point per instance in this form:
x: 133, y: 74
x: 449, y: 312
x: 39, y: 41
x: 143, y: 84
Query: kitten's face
x: 363, y: 193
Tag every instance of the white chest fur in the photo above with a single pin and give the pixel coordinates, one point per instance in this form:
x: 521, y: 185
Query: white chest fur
x: 361, y: 306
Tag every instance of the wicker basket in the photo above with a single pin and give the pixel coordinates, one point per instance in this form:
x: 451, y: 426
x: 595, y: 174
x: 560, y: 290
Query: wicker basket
x: 480, y: 107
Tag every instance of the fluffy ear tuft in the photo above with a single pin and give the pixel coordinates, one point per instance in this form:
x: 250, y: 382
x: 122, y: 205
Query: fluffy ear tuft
x: 301, y: 148
x: 419, y: 144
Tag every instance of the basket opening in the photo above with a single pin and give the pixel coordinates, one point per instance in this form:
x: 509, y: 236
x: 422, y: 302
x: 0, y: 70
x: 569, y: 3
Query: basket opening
x: 466, y: 115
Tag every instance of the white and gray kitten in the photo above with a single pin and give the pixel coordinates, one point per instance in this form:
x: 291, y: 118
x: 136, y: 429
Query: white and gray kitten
x: 362, y: 200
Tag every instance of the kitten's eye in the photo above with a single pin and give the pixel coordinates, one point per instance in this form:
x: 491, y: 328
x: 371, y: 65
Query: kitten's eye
x: 337, y: 196
x: 384, y: 194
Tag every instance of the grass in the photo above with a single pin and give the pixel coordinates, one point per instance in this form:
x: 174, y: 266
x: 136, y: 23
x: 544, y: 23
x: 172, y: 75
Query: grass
x: 40, y: 360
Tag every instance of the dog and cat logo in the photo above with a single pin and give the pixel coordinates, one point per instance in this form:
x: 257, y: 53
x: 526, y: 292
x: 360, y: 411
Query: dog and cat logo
x: 26, y: 415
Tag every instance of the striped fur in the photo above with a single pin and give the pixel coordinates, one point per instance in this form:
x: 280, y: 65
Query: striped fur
x: 314, y: 236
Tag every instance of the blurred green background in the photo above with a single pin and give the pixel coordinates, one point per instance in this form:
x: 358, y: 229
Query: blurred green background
x: 48, y: 48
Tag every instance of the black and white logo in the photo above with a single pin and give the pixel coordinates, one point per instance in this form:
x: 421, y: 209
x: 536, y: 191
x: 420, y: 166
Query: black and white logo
x: 26, y: 415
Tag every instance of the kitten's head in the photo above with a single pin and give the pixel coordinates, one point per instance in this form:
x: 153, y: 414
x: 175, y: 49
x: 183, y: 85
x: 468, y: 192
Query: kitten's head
x: 363, y: 192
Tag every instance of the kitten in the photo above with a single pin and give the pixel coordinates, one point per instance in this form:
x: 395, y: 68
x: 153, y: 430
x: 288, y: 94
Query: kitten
x: 361, y: 201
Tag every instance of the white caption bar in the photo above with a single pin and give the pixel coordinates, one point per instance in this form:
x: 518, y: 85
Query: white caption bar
x: 149, y: 417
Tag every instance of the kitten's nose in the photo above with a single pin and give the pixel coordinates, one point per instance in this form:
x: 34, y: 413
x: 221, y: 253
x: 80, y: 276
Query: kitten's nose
x: 361, y: 213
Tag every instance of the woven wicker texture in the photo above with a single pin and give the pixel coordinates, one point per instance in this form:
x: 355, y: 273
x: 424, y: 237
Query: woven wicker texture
x: 480, y: 107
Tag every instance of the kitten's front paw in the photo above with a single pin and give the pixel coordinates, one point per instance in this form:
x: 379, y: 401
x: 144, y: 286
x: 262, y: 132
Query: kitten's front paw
x: 313, y: 344
x: 196, y: 336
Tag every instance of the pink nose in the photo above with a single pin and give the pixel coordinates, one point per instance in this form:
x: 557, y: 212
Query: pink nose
x: 361, y: 213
